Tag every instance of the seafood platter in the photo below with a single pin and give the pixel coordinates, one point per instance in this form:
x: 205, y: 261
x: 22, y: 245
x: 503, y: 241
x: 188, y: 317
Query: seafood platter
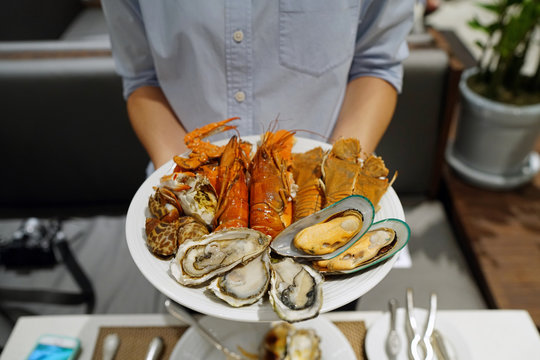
x: 263, y: 228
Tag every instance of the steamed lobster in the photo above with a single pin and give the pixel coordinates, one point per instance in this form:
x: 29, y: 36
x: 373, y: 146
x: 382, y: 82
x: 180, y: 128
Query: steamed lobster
x: 233, y: 200
x: 272, y: 183
x: 307, y: 176
x: 203, y: 152
x: 346, y: 173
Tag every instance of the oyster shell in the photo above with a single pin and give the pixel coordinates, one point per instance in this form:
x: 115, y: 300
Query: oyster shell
x: 200, y: 260
x: 283, y: 243
x: 383, y: 240
x: 245, y: 284
x: 295, y: 290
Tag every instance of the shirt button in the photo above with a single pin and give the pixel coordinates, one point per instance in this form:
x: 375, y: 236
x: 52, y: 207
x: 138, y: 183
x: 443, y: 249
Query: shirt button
x: 238, y: 36
x: 240, y: 96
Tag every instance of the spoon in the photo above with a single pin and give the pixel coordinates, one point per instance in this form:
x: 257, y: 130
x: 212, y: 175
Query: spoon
x: 110, y: 346
x: 393, y: 342
x: 179, y: 313
x: 154, y: 348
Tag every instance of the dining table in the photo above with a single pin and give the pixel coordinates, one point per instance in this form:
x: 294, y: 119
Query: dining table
x: 486, y: 334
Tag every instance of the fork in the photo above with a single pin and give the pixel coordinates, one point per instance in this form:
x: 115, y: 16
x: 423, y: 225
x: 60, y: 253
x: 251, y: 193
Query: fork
x: 430, y: 326
x: 413, y: 328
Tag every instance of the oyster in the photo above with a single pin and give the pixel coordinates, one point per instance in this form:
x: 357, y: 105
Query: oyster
x: 361, y: 211
x: 303, y: 344
x: 245, y: 284
x: 295, y: 290
x: 195, y: 193
x: 274, y: 343
x: 284, y: 342
x: 384, y: 239
x: 200, y: 260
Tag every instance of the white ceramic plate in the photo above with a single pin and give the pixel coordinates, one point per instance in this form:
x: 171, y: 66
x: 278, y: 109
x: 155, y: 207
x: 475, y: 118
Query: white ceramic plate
x: 377, y: 333
x: 248, y: 335
x: 337, y: 290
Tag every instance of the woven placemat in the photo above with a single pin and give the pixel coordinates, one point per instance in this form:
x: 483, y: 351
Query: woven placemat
x: 134, y: 340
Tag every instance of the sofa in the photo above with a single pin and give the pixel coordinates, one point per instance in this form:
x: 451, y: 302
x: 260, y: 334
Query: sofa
x: 65, y: 133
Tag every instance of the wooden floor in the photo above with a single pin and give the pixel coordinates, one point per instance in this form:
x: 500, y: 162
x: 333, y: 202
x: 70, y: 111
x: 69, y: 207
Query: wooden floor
x: 500, y: 235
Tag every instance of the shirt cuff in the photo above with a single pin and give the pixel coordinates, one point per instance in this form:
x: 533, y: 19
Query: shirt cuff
x: 393, y: 75
x: 132, y: 84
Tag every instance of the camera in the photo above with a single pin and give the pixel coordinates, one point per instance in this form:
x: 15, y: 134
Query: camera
x: 30, y: 246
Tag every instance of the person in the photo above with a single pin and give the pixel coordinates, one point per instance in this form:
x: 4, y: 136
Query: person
x: 332, y: 68
x: 324, y: 68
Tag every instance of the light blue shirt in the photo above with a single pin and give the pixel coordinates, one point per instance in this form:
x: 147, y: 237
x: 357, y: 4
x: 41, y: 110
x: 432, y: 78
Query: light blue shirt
x: 259, y: 60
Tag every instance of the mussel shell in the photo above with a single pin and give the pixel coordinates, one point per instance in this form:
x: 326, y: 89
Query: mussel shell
x: 403, y: 233
x: 283, y: 242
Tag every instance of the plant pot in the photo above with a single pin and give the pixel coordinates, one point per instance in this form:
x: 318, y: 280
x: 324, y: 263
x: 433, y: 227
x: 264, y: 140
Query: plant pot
x: 494, y: 142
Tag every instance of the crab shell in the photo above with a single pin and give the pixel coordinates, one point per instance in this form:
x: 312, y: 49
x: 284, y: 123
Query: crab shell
x: 195, y: 194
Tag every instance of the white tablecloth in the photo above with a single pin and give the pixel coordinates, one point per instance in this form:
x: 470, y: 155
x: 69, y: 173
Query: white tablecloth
x: 490, y: 334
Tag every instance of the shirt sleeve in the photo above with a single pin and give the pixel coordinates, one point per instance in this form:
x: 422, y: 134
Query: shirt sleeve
x: 381, y: 40
x: 130, y: 48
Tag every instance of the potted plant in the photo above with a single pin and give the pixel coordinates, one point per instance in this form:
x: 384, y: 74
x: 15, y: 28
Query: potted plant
x: 499, y: 120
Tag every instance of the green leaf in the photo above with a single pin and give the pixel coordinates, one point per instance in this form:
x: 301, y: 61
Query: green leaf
x: 476, y: 24
x: 494, y: 8
x: 480, y: 44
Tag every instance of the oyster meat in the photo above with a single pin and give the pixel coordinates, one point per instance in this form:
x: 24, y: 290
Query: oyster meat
x: 295, y: 290
x: 200, y: 260
x: 330, y: 234
x: 245, y: 284
x: 303, y: 344
x: 285, y: 342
